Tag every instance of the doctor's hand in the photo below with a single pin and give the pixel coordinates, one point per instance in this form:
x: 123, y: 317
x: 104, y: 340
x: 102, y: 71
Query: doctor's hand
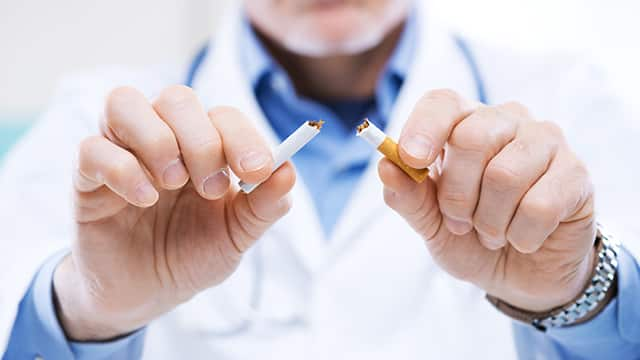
x: 157, y: 218
x: 511, y: 210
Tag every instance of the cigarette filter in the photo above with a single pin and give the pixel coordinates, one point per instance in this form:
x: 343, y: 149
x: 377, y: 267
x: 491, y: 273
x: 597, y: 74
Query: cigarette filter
x: 289, y: 147
x: 389, y: 148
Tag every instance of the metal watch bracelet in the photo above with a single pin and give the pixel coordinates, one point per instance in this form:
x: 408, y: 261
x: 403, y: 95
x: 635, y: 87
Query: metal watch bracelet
x: 593, y: 299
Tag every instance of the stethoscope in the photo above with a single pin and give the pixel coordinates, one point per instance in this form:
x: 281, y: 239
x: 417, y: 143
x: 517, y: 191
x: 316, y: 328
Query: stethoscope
x: 254, y: 316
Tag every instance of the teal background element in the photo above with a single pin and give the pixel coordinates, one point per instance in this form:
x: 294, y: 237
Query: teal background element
x: 12, y: 127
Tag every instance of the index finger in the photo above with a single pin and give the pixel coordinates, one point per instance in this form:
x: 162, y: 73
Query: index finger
x: 430, y: 125
x: 246, y: 151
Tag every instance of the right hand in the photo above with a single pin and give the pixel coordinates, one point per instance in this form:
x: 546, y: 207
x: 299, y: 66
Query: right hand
x: 157, y: 219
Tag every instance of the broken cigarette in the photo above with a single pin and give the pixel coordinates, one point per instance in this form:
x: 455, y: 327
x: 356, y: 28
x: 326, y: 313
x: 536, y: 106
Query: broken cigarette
x: 389, y: 148
x: 289, y: 147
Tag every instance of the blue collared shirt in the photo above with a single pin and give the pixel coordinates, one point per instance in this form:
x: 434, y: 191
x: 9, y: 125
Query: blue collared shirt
x: 614, y: 334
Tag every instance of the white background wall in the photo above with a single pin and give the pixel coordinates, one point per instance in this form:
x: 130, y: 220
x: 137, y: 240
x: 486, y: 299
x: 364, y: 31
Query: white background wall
x: 606, y: 32
x: 42, y: 40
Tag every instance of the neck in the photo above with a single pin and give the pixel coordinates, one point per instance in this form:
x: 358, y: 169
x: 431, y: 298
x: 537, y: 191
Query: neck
x: 336, y: 77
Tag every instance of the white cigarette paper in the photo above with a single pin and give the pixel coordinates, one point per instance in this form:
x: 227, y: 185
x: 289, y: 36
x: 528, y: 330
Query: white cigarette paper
x: 371, y: 133
x: 289, y: 147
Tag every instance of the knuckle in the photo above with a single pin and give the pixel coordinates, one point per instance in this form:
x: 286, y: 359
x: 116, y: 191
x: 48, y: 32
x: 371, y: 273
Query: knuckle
x: 469, y: 137
x: 441, y: 95
x: 578, y: 182
x: 116, y: 171
x: 540, y: 210
x: 522, y: 149
x: 177, y: 98
x: 454, y: 200
x: 483, y: 131
x: 579, y: 170
x: 86, y: 150
x: 158, y: 142
x: 501, y: 176
x: 87, y: 145
x: 119, y: 99
x: 222, y: 111
x: 120, y: 170
x: 204, y: 148
x: 516, y: 108
x: 551, y: 129
x: 489, y: 112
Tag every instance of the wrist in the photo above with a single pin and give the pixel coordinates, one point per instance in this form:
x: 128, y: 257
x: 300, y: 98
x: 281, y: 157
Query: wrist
x: 560, y: 293
x: 587, y: 304
x: 80, y: 320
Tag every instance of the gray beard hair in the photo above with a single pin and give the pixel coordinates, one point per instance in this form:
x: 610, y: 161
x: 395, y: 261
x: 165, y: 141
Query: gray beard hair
x: 303, y: 44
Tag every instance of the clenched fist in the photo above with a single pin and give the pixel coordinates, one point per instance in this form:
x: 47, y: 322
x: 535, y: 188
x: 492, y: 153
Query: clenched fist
x: 511, y: 210
x: 157, y: 218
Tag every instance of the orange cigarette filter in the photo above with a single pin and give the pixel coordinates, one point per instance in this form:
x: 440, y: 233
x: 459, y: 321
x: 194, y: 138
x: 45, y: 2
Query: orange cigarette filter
x: 389, y: 148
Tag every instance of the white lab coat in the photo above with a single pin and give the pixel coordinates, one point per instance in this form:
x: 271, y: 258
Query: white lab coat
x: 369, y: 291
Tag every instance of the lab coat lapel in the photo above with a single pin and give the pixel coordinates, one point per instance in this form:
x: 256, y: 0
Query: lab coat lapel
x: 438, y: 64
x: 222, y: 81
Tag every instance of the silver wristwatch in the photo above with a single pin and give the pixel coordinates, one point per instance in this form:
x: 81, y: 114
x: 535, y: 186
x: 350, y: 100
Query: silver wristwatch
x: 595, y: 297
x: 602, y: 280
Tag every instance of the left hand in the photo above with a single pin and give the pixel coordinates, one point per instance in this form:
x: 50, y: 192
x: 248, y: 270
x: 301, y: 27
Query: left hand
x: 512, y: 209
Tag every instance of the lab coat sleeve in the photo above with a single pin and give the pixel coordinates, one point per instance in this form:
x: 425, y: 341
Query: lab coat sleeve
x: 37, y: 332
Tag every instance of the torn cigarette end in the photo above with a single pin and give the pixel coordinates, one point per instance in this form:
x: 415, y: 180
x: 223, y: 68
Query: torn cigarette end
x: 389, y: 148
x: 316, y: 124
x: 363, y: 126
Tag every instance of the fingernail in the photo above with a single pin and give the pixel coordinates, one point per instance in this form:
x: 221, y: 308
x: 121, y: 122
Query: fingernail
x: 146, y: 194
x: 458, y: 227
x: 254, y: 161
x: 175, y: 174
x: 216, y: 184
x: 418, y: 147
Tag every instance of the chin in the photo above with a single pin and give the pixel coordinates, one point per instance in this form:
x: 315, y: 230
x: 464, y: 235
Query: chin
x: 329, y: 28
x: 335, y: 26
x: 345, y: 32
x: 338, y: 32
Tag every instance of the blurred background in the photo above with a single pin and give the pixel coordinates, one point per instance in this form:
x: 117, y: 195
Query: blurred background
x: 41, y: 41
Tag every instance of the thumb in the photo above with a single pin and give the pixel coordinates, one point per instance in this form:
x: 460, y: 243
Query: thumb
x: 416, y: 203
x: 250, y: 215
